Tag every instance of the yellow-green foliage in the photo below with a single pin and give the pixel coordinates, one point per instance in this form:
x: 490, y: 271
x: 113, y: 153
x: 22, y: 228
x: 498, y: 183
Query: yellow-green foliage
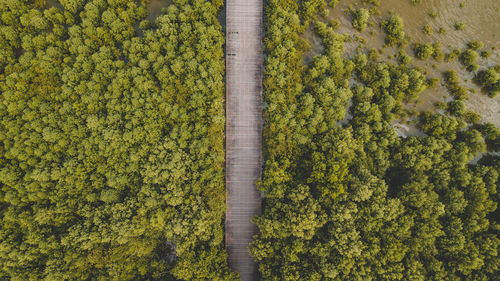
x: 427, y: 29
x: 346, y: 198
x: 468, y: 58
x: 360, y: 18
x: 111, y: 143
x: 489, y: 80
x: 423, y: 50
x: 394, y: 30
x: 459, y: 26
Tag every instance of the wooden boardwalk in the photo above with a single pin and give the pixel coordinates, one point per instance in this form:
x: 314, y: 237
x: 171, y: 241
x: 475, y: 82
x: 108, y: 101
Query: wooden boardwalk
x: 244, y: 29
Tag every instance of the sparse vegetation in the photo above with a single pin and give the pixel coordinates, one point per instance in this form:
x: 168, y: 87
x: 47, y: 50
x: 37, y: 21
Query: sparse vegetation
x: 485, y: 54
x: 453, y: 84
x: 394, y: 30
x: 403, y: 58
x: 489, y: 80
x: 452, y: 55
x: 459, y: 26
x: 475, y: 45
x: 468, y: 58
x: 423, y: 50
x: 437, y: 54
x: 360, y: 18
x: 427, y: 29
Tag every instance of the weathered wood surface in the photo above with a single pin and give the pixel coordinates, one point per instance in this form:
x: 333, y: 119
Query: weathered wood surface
x: 244, y: 29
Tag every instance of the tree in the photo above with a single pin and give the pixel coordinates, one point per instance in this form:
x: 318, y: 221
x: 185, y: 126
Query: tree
x: 111, y: 156
x: 423, y: 50
x: 489, y: 80
x: 394, y: 30
x: 360, y: 18
x: 346, y: 198
x: 468, y: 58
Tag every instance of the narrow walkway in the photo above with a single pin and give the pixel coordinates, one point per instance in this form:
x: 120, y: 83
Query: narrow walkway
x: 243, y: 129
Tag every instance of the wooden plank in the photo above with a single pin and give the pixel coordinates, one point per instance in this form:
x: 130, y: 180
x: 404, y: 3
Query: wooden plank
x: 244, y: 29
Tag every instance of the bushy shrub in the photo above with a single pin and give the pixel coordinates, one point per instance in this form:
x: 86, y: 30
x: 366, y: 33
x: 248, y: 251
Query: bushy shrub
x: 475, y: 45
x: 489, y: 80
x: 394, y: 30
x: 459, y: 26
x: 423, y: 50
x: 360, y: 18
x: 427, y: 29
x: 468, y: 58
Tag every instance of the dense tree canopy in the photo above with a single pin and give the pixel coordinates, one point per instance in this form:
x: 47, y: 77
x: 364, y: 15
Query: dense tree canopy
x: 111, y: 141
x: 112, y: 149
x: 346, y: 198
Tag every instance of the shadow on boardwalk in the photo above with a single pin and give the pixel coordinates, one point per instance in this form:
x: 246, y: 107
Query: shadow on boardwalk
x: 243, y: 129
